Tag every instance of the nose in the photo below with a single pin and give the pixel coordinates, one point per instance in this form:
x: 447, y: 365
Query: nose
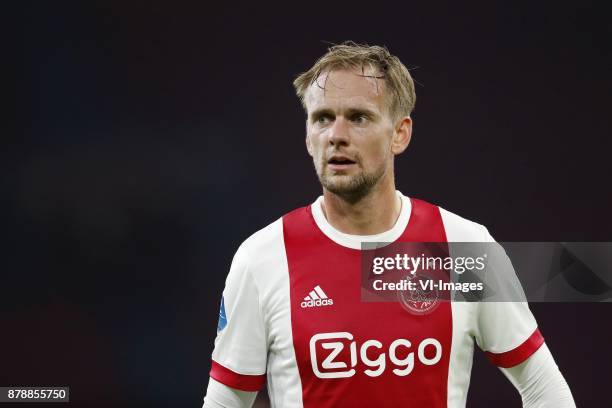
x: 338, y: 134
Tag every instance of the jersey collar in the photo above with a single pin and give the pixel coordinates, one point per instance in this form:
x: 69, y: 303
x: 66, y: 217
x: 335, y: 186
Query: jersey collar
x: 355, y: 241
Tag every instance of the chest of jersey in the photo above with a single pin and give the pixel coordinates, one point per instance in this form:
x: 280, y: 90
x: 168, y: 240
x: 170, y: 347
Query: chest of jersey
x: 355, y: 353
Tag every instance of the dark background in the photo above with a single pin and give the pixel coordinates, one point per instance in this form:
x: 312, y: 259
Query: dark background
x: 152, y: 139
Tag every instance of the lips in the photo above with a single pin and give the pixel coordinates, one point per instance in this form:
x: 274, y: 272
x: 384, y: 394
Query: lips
x: 340, y: 160
x: 340, y: 163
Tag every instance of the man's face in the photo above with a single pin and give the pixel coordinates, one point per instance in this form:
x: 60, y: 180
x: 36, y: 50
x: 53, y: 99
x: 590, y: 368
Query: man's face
x: 350, y: 132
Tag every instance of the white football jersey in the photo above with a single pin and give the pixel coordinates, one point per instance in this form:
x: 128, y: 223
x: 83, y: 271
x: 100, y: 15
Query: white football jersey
x: 292, y: 313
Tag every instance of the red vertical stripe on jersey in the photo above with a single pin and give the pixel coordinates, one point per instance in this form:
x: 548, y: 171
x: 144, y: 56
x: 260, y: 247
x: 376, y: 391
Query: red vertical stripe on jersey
x: 330, y: 338
x: 518, y: 354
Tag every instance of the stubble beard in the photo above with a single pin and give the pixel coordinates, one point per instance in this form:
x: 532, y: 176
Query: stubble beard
x: 351, y: 188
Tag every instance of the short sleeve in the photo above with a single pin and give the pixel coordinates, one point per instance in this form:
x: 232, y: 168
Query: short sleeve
x: 240, y: 354
x: 506, y: 330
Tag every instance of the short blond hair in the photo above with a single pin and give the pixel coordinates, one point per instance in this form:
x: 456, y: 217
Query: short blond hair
x: 349, y: 55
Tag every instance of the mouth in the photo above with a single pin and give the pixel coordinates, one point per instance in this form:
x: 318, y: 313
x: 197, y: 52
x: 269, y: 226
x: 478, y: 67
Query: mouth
x: 338, y: 162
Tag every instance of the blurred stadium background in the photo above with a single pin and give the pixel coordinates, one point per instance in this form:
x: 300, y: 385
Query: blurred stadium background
x: 152, y: 138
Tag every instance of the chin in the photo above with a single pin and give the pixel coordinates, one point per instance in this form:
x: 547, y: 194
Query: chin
x: 350, y: 188
x: 340, y: 182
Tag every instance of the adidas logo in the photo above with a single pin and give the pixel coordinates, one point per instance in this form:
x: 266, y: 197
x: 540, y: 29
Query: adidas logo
x: 316, y: 297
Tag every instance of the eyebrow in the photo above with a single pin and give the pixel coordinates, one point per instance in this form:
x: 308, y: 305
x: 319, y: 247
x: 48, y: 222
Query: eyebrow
x: 349, y: 112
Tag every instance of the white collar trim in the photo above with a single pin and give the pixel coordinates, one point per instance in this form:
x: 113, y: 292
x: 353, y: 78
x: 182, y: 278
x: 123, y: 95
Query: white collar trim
x: 354, y: 241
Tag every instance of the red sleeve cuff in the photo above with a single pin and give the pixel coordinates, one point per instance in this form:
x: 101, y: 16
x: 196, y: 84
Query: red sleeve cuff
x: 519, y: 354
x: 241, y: 382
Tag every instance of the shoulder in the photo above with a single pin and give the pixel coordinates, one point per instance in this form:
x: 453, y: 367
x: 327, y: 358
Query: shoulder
x: 258, y: 260
x: 263, y: 243
x: 461, y: 229
x: 457, y: 228
x: 262, y: 255
x: 270, y: 239
x: 264, y: 236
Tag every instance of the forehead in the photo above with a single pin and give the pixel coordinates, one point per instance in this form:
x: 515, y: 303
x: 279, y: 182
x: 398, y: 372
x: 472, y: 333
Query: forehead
x: 343, y: 89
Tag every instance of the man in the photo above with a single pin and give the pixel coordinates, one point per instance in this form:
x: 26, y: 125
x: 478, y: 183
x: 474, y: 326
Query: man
x: 291, y: 308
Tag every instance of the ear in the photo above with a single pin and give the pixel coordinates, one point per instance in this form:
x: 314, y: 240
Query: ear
x: 402, y: 135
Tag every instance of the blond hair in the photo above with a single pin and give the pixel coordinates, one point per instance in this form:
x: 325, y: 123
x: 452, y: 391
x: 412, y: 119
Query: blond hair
x: 349, y: 55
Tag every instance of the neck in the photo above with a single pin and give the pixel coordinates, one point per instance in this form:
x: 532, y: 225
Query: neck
x: 375, y: 213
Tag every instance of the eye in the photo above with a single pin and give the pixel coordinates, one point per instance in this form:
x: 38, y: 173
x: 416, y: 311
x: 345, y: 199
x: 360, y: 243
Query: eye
x: 322, y: 119
x: 359, y: 118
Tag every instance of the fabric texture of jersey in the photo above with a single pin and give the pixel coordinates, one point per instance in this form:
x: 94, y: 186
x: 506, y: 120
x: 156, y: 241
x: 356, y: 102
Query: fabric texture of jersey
x: 294, y: 315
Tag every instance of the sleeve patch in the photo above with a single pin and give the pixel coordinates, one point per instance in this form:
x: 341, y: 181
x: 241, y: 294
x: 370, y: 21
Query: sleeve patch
x: 222, y: 317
